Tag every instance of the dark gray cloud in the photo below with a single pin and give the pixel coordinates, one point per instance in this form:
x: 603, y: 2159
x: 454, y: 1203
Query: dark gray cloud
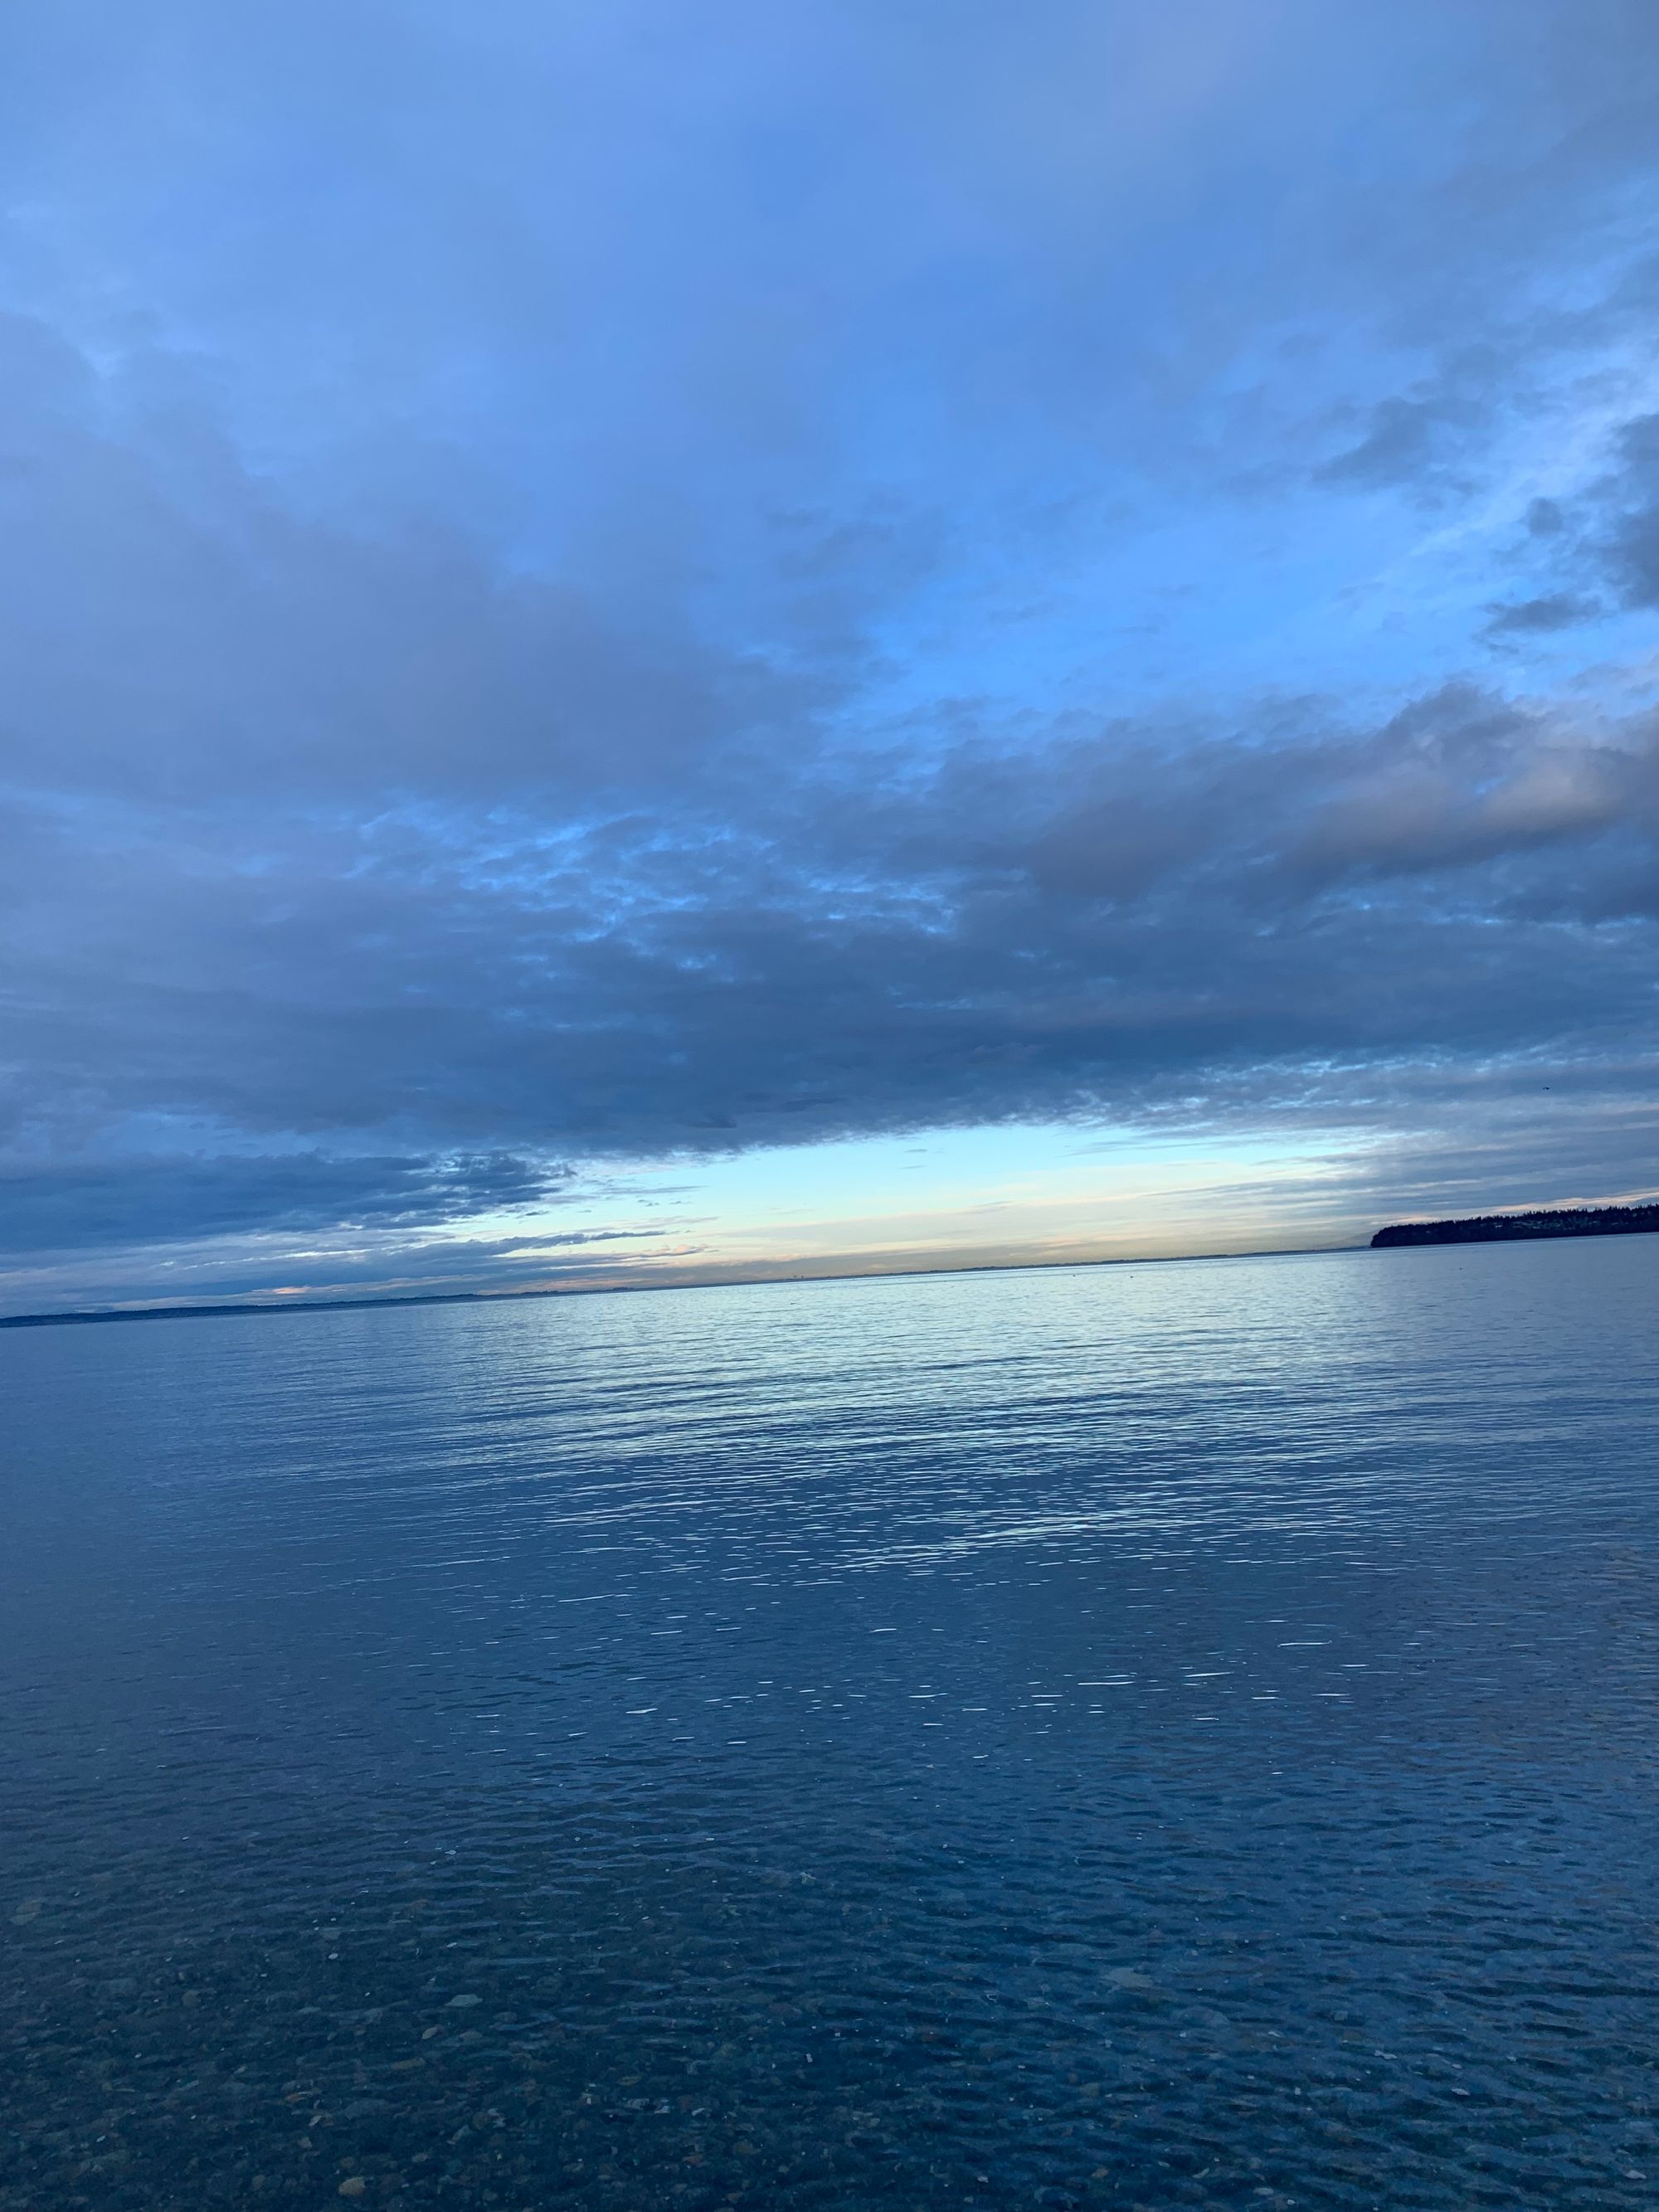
x: 171, y: 629
x: 161, y: 1201
x: 1629, y: 547
x: 1602, y: 539
x: 1062, y: 928
x: 1550, y: 610
x: 1404, y: 442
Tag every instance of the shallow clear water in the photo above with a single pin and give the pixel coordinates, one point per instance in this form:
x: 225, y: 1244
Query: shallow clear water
x: 1152, y: 1735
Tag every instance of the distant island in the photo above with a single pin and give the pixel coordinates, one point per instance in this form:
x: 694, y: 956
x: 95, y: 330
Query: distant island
x: 1505, y: 1228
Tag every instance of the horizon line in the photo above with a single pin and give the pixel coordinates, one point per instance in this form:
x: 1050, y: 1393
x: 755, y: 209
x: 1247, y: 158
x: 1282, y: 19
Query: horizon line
x: 258, y: 1304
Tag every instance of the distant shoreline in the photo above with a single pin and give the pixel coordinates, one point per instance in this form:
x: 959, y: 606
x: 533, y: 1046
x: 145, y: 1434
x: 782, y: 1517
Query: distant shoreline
x: 82, y: 1315
x: 1479, y: 1229
x: 1514, y: 1228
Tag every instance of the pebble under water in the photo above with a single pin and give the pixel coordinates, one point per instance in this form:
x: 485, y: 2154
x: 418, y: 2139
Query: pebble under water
x: 1150, y: 1736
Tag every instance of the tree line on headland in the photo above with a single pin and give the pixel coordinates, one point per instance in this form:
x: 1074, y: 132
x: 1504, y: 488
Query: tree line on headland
x: 1503, y: 1228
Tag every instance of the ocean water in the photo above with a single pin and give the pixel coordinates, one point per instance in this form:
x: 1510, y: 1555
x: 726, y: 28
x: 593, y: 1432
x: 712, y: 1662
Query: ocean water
x: 1131, y: 1736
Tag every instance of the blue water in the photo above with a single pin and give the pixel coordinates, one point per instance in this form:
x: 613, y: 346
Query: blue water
x: 1138, y: 1736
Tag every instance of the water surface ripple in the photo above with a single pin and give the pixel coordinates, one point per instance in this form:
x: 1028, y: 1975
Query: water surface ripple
x: 1138, y: 1736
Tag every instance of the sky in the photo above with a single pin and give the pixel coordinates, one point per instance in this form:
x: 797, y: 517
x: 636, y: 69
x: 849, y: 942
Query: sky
x: 650, y: 644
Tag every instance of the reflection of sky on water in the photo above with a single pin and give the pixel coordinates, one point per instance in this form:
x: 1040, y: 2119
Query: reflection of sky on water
x: 1140, y: 1736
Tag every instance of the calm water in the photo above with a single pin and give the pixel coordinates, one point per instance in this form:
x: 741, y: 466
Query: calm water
x: 1168, y: 1735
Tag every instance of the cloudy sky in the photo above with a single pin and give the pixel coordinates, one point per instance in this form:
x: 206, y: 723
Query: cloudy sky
x: 650, y: 641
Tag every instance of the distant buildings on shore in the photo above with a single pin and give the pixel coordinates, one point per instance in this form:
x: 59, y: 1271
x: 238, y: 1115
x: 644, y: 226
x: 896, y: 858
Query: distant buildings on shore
x: 1505, y: 1228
